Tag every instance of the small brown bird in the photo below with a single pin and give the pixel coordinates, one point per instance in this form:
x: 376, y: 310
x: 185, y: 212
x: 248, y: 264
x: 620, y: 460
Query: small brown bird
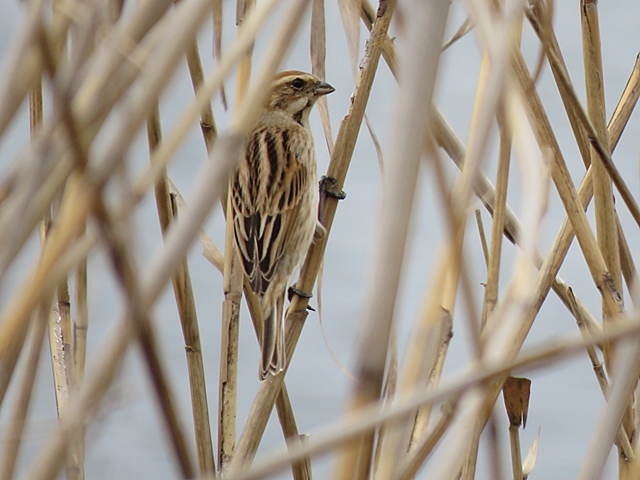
x: 275, y: 202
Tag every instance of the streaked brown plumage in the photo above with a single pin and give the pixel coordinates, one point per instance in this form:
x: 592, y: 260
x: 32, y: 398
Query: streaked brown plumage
x: 275, y: 202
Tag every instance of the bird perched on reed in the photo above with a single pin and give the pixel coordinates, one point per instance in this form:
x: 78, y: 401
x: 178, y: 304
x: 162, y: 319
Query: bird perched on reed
x: 274, y: 195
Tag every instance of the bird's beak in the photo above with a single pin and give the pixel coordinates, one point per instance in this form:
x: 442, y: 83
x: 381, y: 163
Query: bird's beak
x: 323, y: 88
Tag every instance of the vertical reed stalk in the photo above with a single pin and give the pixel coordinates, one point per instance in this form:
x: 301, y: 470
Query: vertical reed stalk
x: 606, y: 225
x: 602, y: 190
x: 497, y: 228
x: 207, y: 121
x: 181, y: 281
x: 13, y: 437
x: 603, y: 382
x: 233, y: 275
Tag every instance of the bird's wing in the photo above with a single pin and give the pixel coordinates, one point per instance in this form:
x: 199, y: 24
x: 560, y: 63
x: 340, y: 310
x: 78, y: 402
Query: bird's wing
x: 266, y: 194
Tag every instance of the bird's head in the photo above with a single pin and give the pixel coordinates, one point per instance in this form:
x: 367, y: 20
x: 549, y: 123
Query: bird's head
x: 296, y: 92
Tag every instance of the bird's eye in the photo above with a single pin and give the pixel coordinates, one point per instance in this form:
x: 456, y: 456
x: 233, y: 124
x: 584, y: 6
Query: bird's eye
x: 298, y: 83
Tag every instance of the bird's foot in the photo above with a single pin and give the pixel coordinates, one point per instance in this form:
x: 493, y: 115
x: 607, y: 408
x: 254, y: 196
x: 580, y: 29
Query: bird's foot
x: 296, y: 291
x: 327, y: 188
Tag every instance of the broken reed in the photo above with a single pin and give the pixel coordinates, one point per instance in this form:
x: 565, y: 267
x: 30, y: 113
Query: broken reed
x: 389, y: 430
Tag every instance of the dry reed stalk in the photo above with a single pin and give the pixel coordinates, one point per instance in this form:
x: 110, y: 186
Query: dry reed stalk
x: 497, y: 226
x: 165, y: 399
x: 340, y: 160
x: 446, y: 138
x: 345, y: 428
x: 227, y: 391
x: 61, y: 341
x: 572, y: 104
x: 211, y: 184
x: 486, y: 193
x: 48, y: 154
x: 619, y: 119
x: 211, y: 84
x: 488, y: 90
x: 61, y: 349
x: 606, y: 225
x: 114, y: 71
x: 318, y: 50
x: 382, y: 294
x: 217, y: 39
x: 434, y: 372
x: 542, y: 288
x: 608, y: 425
x: 566, y: 190
x: 539, y: 18
x: 423, y: 448
x: 578, y: 119
x: 579, y: 122
x: 232, y: 287
x: 488, y: 93
x: 80, y: 327
x: 627, y: 101
x: 493, y: 266
x: 185, y: 302
x: 13, y: 437
x: 125, y: 273
x: 389, y: 389
x: 603, y: 382
x: 424, y: 359
x: 602, y: 189
x: 483, y: 235
x: 24, y: 67
x: 549, y: 270
x: 108, y: 357
x: 186, y: 308
x: 355, y: 459
x: 301, y: 470
x: 620, y: 116
x: 498, y: 337
x: 207, y: 122
x: 623, y: 109
x: 80, y: 196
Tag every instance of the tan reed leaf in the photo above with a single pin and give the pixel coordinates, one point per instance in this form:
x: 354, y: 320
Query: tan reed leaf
x: 529, y: 462
x: 350, y: 13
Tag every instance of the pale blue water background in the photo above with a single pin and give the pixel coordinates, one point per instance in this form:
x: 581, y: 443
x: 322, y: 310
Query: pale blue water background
x: 128, y: 440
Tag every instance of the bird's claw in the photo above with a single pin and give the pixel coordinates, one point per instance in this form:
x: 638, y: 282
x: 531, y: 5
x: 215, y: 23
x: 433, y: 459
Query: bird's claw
x: 327, y: 187
x: 296, y: 291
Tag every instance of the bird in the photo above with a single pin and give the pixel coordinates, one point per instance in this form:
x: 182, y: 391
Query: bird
x: 274, y: 197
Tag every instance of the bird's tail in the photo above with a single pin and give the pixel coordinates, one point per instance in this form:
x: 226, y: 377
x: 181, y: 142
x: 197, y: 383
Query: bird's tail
x: 273, y: 357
